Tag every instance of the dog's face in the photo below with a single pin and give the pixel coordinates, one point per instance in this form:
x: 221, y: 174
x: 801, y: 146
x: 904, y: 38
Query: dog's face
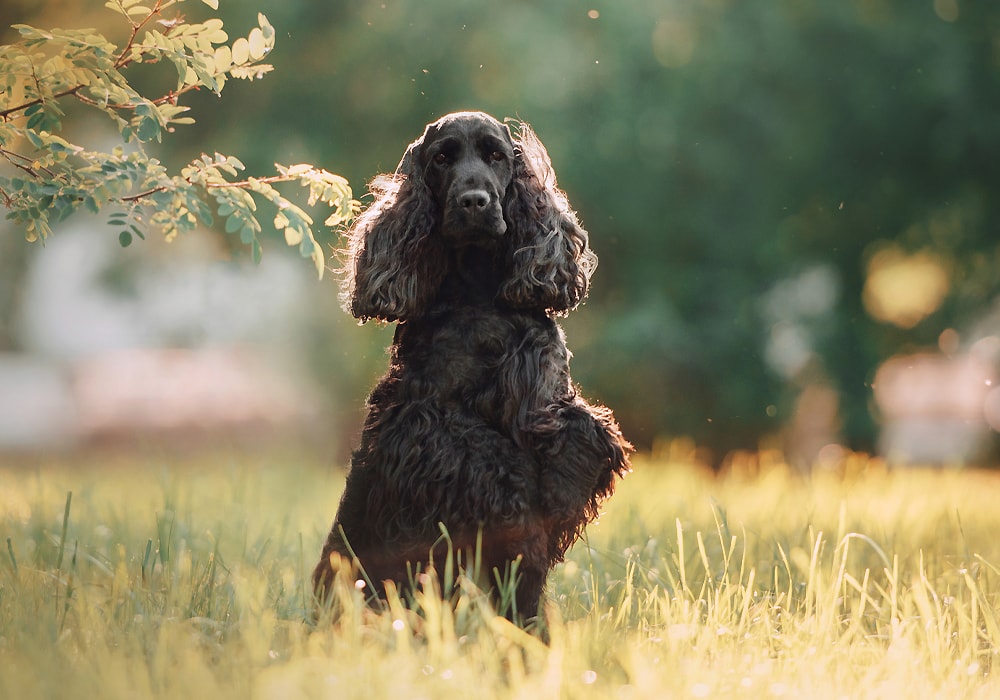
x: 468, y: 196
x: 468, y: 164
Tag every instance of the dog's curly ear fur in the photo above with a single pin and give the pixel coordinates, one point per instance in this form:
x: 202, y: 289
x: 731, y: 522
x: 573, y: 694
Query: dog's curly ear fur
x: 394, y: 264
x: 550, y: 259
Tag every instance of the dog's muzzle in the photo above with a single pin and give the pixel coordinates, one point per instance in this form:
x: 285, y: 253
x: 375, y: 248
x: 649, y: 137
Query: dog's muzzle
x: 475, y: 212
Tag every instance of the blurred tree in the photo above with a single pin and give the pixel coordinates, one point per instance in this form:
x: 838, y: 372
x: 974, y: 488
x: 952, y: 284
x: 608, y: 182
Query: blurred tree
x: 738, y: 165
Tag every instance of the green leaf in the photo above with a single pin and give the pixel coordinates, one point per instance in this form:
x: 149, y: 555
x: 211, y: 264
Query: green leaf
x: 266, y: 28
x: 34, y: 138
x: 319, y: 260
x: 241, y: 51
x: 258, y: 47
x: 201, y: 210
x: 111, y: 5
x: 214, y: 32
x: 294, y: 235
x: 255, y: 251
x: 251, y: 72
x: 125, y: 239
x: 223, y: 59
x: 149, y: 129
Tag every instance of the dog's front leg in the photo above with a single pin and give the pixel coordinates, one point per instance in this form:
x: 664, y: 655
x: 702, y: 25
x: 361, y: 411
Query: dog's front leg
x: 578, y: 447
x: 581, y: 451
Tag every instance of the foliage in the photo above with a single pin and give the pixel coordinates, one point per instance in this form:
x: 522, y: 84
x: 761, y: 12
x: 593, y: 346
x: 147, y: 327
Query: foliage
x: 191, y: 578
x: 47, y: 68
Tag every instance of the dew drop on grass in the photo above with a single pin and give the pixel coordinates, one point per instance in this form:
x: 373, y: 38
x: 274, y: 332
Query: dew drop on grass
x: 589, y: 677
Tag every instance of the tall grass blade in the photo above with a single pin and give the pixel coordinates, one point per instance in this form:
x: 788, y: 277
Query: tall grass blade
x: 145, y: 569
x: 11, y: 557
x: 65, y: 529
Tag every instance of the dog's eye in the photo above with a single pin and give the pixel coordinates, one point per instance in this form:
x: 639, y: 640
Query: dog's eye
x: 496, y: 156
x: 440, y: 158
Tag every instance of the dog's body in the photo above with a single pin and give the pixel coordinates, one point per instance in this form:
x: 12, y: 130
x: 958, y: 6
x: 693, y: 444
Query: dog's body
x: 477, y: 425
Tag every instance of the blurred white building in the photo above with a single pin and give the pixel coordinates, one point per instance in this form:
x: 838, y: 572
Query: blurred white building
x: 939, y: 409
x: 142, y: 342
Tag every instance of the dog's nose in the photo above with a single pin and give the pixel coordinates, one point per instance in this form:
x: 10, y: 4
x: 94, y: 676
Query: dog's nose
x: 474, y: 199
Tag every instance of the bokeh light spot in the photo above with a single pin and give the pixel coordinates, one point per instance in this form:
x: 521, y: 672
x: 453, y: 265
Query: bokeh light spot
x: 674, y: 41
x: 903, y: 289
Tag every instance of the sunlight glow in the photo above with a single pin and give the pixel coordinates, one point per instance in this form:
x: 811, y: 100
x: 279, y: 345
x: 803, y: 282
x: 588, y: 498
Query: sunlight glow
x: 904, y: 289
x: 674, y: 41
x: 947, y: 10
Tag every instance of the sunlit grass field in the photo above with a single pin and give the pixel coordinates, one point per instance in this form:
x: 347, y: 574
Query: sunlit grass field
x: 187, y: 577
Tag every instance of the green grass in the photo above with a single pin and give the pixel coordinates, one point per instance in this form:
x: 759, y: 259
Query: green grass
x: 188, y: 577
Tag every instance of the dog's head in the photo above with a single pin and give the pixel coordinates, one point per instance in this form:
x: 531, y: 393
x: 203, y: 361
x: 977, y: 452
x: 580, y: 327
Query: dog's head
x: 466, y: 160
x: 467, y: 181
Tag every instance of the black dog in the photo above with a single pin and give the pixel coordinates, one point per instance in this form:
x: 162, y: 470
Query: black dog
x: 477, y: 426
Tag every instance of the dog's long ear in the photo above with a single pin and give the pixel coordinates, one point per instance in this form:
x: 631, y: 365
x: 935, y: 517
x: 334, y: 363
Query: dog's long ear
x: 550, y: 259
x: 394, y: 263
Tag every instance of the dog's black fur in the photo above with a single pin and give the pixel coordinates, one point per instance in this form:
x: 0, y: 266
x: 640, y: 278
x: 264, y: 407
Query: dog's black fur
x: 473, y: 249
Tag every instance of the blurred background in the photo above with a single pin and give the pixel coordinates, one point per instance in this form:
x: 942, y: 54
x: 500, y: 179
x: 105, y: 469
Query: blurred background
x: 796, y: 208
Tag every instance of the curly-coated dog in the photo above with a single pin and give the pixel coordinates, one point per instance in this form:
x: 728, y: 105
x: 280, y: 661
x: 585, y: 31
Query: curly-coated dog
x: 477, y: 426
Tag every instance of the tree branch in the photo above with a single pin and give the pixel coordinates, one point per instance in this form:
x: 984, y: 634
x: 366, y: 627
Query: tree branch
x: 4, y: 114
x: 13, y: 157
x: 170, y: 97
x: 122, y: 61
x: 211, y: 186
